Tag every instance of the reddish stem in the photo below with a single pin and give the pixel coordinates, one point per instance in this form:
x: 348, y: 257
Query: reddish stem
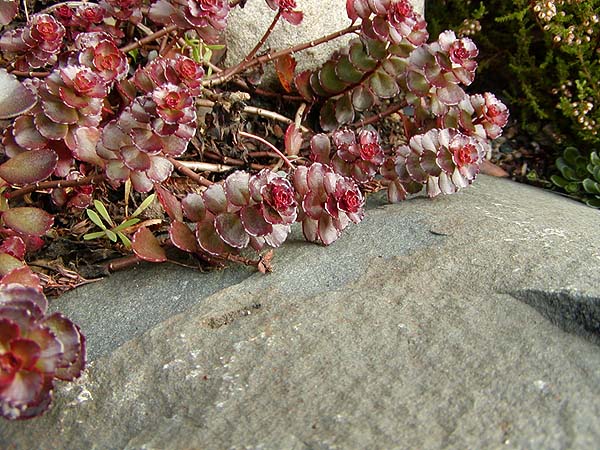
x: 377, y: 117
x: 147, y: 39
x: 222, y: 77
x: 268, y: 144
x: 190, y: 173
x: 92, y: 179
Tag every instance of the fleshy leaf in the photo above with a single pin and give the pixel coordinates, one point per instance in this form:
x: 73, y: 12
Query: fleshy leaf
x: 362, y: 98
x: 29, y: 167
x: 21, y: 275
x: 346, y: 71
x: 169, y: 203
x: 193, y: 207
x: 215, y: 199
x: 329, y: 79
x: 209, y: 240
x: 344, y: 112
x: 147, y: 247
x: 254, y: 221
x: 302, y: 82
x: 15, y: 99
x: 285, y: 67
x: 230, y: 229
x: 236, y: 188
x: 182, y: 237
x: 383, y: 85
x: 293, y: 140
x: 360, y: 59
x: 28, y: 220
x: 9, y: 263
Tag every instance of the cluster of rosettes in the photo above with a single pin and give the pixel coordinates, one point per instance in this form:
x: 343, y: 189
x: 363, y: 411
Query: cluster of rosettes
x: 437, y: 70
x: 35, y: 45
x: 35, y: 348
x: 90, y: 17
x: 394, y: 21
x: 328, y: 202
x: 355, y: 155
x: 244, y: 210
x: 123, y: 9
x: 70, y: 103
x: 156, y: 126
x: 209, y: 17
x: 479, y: 115
x: 442, y: 160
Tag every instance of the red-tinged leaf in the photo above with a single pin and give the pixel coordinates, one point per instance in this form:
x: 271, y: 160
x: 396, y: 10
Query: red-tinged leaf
x: 15, y: 99
x: 254, y: 222
x: 302, y: 82
x: 315, y: 85
x: 59, y: 112
x: 26, y: 134
x: 362, y: 98
x: 15, y: 246
x: 351, y: 11
x: 383, y: 85
x: 8, y: 11
x: 86, y: 139
x: 68, y: 334
x: 8, y: 263
x: 309, y: 229
x: 231, y: 230
x: 160, y: 169
x: 344, y: 111
x: 293, y: 17
x: 147, y: 247
x: 209, y: 240
x: 215, y: 199
x: 320, y: 148
x: 182, y: 237
x: 49, y: 129
x: 169, y: 202
x: 346, y: 71
x: 293, y: 140
x: 328, y: 233
x: 278, y: 235
x: 417, y: 84
x: 313, y: 205
x: 28, y: 220
x: 451, y: 94
x: 327, y: 118
x: 135, y: 159
x: 359, y: 57
x: 329, y: 79
x: 29, y: 167
x: 285, y: 67
x: 236, y: 188
x: 21, y: 275
x: 193, y: 207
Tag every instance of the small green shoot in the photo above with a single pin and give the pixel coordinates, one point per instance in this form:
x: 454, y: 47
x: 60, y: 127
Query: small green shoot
x: 110, y: 230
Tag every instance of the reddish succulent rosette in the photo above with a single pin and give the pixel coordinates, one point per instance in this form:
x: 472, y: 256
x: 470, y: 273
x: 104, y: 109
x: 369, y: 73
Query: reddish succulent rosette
x: 329, y: 202
x: 357, y: 158
x: 99, y: 52
x: 288, y: 10
x: 392, y: 20
x: 35, y: 349
x: 456, y: 56
x: 38, y: 43
x: 275, y: 195
x: 179, y: 71
x: 443, y: 160
x: 123, y: 9
x: 209, y: 17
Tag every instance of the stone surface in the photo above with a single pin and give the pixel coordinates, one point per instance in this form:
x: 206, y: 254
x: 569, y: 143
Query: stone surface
x: 321, y: 17
x: 468, y: 321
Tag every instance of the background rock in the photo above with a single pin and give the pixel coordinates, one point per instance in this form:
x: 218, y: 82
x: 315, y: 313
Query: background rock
x: 468, y: 321
x: 321, y: 17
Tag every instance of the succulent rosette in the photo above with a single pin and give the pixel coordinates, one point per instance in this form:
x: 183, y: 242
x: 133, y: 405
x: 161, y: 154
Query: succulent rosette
x: 481, y: 115
x: 456, y: 57
x: 37, y: 44
x: 288, y: 10
x: 209, y: 17
x: 329, y: 202
x: 99, y: 52
x: 124, y: 9
x: 179, y: 70
x: 35, y: 349
x: 359, y: 158
x: 442, y: 160
x: 247, y: 210
x: 394, y: 21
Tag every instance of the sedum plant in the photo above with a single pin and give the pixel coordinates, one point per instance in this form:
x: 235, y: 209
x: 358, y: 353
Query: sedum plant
x: 117, y: 105
x: 579, y: 176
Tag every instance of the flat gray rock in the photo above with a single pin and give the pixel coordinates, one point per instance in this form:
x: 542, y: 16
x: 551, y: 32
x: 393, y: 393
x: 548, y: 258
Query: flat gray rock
x: 467, y: 321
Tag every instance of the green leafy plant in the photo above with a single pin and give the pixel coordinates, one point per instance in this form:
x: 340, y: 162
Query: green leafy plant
x: 579, y: 176
x: 115, y: 231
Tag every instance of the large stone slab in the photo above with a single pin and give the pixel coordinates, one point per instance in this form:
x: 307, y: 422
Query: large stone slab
x: 468, y: 321
x: 321, y: 17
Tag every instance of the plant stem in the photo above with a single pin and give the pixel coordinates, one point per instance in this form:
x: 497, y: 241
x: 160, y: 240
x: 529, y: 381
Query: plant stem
x: 92, y: 179
x: 222, y: 77
x: 268, y: 144
x: 147, y: 39
x: 377, y: 117
x: 182, y: 169
x: 239, y: 67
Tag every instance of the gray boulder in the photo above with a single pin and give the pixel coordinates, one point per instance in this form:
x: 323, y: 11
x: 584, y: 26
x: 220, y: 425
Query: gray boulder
x: 321, y: 17
x: 467, y: 321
